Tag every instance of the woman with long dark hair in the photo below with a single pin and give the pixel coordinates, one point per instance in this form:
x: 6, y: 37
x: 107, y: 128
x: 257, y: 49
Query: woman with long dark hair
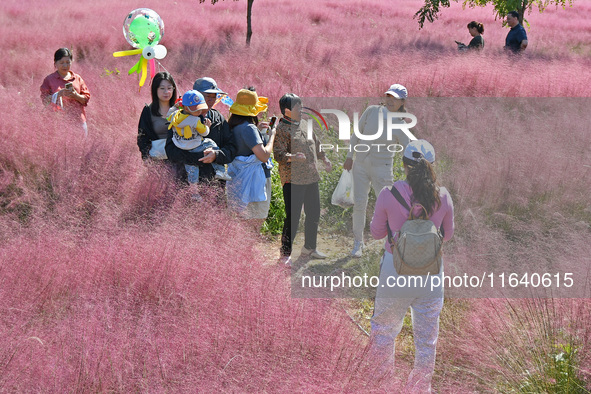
x: 421, y: 194
x: 153, y: 126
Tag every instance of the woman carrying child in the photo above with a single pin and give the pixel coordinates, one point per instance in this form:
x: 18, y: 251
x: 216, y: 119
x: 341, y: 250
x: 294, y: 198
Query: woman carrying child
x: 219, y: 132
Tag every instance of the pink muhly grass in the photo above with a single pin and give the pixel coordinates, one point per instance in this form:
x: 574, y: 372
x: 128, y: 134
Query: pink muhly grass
x: 376, y: 43
x: 515, y: 169
x: 183, y: 303
x: 523, y: 344
x: 112, y: 279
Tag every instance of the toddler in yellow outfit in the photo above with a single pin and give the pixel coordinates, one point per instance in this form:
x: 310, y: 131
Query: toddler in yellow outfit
x: 190, y: 128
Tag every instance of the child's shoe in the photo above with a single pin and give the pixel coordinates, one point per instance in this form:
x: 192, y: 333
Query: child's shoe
x: 223, y: 175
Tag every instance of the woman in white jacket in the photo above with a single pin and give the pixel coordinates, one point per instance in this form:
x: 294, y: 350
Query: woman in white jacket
x: 374, y: 166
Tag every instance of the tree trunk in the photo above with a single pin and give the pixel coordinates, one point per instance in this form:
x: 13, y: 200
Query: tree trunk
x: 522, y: 9
x: 248, y: 22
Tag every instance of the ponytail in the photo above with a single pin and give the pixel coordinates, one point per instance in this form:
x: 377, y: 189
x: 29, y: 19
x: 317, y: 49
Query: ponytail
x: 423, y: 183
x: 479, y: 26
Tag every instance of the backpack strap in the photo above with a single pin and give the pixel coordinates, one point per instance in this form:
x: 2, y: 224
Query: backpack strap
x: 399, y: 197
x: 402, y: 202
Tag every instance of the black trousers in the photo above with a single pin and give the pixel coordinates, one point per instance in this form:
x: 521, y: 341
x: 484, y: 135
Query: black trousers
x: 296, y: 196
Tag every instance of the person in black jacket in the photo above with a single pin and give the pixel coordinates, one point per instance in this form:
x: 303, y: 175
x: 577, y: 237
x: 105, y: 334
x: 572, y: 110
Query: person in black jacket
x: 219, y: 131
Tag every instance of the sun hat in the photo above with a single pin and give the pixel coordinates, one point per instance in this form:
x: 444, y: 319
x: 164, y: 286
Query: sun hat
x: 192, y: 98
x: 207, y: 85
x: 418, y: 149
x: 248, y: 103
x: 397, y: 91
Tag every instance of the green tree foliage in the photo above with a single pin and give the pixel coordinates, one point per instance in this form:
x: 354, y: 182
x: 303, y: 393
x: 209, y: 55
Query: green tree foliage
x: 248, y: 18
x: 431, y: 9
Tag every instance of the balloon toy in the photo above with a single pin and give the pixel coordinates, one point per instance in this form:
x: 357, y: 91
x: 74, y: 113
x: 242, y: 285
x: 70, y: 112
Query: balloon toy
x: 143, y: 29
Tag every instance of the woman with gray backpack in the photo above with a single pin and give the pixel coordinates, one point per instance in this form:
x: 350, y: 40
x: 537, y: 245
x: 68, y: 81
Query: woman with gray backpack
x: 416, y: 216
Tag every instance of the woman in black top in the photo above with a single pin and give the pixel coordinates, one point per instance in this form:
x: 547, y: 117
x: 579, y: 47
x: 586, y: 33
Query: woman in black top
x: 153, y: 126
x: 476, y: 30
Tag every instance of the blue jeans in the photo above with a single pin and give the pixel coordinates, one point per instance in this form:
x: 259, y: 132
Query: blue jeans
x: 193, y: 171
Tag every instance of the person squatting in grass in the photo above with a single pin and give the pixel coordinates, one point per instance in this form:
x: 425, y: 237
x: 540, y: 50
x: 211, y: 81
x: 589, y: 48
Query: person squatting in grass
x: 219, y: 132
x: 373, y: 167
x: 297, y: 156
x: 477, y: 43
x: 249, y: 191
x: 65, y: 90
x: 392, y: 303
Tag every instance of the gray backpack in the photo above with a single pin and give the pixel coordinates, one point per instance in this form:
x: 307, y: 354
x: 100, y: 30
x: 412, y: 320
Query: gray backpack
x: 417, y: 251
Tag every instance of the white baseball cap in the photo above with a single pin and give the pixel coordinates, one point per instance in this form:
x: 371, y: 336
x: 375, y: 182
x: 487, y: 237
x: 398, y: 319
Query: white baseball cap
x: 397, y: 91
x: 418, y: 149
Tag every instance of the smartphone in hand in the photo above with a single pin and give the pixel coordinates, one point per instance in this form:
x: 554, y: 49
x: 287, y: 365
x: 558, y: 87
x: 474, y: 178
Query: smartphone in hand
x: 69, y: 86
x: 272, y: 122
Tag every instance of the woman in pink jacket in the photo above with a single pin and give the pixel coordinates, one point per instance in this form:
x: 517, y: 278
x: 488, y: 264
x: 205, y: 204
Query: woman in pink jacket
x: 392, y: 297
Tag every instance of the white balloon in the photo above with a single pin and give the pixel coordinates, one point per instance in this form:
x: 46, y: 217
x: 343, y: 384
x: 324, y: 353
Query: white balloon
x: 160, y: 51
x: 148, y: 52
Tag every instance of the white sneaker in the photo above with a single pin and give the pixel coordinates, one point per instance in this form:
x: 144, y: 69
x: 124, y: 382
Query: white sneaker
x: 284, y: 261
x: 223, y: 176
x: 357, y: 249
x: 315, y: 254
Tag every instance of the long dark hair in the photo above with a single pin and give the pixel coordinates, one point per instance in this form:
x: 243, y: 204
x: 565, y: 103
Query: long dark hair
x: 161, y: 76
x: 423, y: 182
x: 235, y: 120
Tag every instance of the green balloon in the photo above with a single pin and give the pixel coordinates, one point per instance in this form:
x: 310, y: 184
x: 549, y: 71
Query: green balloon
x: 143, y: 27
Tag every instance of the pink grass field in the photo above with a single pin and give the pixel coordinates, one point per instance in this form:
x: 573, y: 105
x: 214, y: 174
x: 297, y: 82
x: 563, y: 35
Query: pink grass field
x: 112, y: 281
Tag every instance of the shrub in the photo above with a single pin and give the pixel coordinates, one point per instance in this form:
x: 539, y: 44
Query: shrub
x: 274, y: 223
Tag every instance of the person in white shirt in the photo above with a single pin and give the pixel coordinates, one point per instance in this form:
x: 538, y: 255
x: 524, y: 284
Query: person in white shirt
x: 374, y: 167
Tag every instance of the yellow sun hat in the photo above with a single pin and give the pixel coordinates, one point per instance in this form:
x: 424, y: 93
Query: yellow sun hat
x: 248, y: 103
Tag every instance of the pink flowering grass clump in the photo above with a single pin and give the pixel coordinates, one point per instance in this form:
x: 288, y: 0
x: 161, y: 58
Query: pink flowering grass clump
x: 525, y: 345
x: 516, y: 169
x: 154, y: 309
